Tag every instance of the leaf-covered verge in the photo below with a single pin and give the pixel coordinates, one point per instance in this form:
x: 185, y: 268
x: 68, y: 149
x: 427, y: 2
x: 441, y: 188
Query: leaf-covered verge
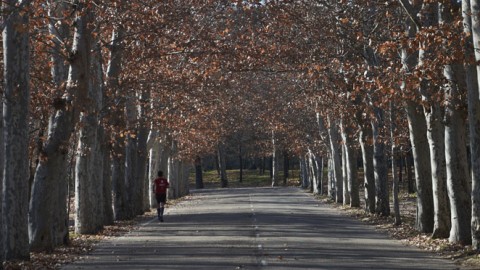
x: 79, y: 245
x: 82, y: 244
x: 406, y: 233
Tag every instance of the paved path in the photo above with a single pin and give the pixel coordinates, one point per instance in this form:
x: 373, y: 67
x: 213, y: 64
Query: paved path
x: 261, y: 228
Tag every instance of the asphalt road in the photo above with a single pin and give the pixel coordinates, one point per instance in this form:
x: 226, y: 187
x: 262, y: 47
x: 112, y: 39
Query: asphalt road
x: 256, y: 228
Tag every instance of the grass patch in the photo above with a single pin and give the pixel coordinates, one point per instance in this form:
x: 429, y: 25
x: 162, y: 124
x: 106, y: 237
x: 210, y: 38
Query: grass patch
x: 251, y: 178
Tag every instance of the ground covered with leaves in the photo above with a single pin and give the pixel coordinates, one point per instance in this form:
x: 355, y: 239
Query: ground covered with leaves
x: 406, y: 233
x: 81, y: 244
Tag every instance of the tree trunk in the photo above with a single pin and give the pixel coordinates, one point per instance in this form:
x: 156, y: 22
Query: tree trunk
x: 118, y: 149
x: 172, y: 176
x: 435, y: 135
x: 474, y: 123
x: 142, y: 154
x: 382, y: 202
x: 89, y: 163
x: 408, y: 168
x: 222, y: 165
x: 418, y: 138
x: 324, y: 135
x: 458, y: 177
x: 346, y: 192
x: 109, y: 217
x: 396, y: 204
x: 118, y: 180
x: 275, y: 161
x: 49, y: 190
x: 173, y: 171
x: 351, y: 166
x: 184, y: 173
x: 97, y: 94
x: 423, y: 175
x: 435, y: 129
x: 198, y: 173
x: 315, y: 178
x: 153, y: 145
x: 473, y: 27
x: 337, y: 169
x: 2, y: 164
x: 86, y: 201
x: 457, y: 171
x: 313, y: 169
x: 321, y: 180
x: 15, y: 119
x: 304, y: 172
x: 331, y: 178
x: 89, y: 180
x: 240, y: 157
x: 285, y: 167
x: 132, y: 184
x: 48, y: 219
x: 366, y: 140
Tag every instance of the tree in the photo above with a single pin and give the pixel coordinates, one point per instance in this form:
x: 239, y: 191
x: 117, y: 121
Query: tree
x: 48, y: 220
x: 474, y: 122
x: 15, y: 123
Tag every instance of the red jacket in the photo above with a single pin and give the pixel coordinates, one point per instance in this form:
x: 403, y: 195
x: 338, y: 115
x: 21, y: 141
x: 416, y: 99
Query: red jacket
x: 160, y: 185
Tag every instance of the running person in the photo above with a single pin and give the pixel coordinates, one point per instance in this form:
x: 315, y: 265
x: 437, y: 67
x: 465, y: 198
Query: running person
x: 160, y: 185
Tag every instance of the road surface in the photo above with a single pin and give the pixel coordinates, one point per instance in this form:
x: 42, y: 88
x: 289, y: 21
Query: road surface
x: 256, y: 228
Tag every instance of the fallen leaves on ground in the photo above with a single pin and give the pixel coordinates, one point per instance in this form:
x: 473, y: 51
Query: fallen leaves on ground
x: 407, y: 233
x: 82, y: 244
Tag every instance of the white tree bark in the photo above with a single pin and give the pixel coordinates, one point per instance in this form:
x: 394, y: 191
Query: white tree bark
x: 351, y: 166
x: 331, y: 178
x: 97, y: 94
x: 395, y: 188
x: 336, y: 165
x: 275, y: 161
x: 304, y: 172
x: 118, y: 150
x: 48, y: 220
x: 435, y: 130
x: 382, y: 201
x: 222, y: 163
x: 435, y: 135
x: 418, y: 139
x: 132, y: 184
x: 142, y: 166
x: 474, y: 122
x: 154, y: 150
x: 87, y: 184
x: 118, y: 180
x: 324, y: 135
x: 314, y: 168
x: 458, y: 177
x: 89, y: 160
x: 173, y: 172
x: 346, y: 193
x: 319, y: 160
x: 184, y: 172
x: 366, y: 145
x: 109, y: 216
x: 16, y: 95
x: 421, y: 157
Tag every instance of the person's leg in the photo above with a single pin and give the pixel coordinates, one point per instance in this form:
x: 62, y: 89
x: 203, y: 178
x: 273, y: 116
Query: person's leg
x: 162, y: 208
x: 163, y: 199
x: 160, y: 205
